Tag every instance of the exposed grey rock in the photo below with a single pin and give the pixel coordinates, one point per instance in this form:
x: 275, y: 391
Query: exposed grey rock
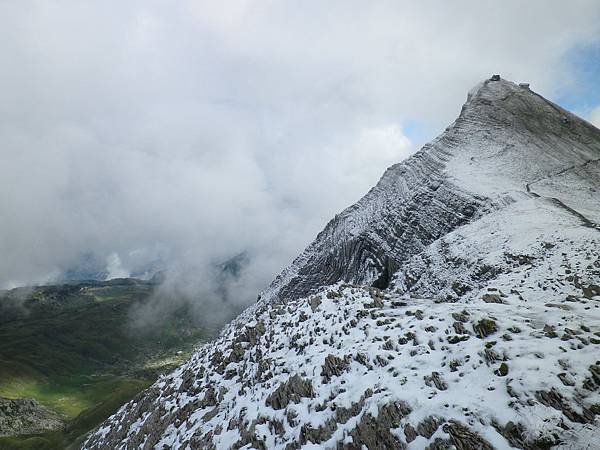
x: 464, y: 439
x: 555, y: 400
x: 492, y: 298
x: 440, y: 444
x: 27, y: 416
x: 514, y: 433
x: 410, y: 433
x: 456, y: 339
x: 318, y: 435
x: 375, y: 433
x: 428, y: 426
x: 591, y: 290
x: 461, y: 317
x: 292, y: 391
x: 333, y: 366
x: 436, y: 380
x: 459, y: 328
x: 315, y: 301
x: 566, y: 379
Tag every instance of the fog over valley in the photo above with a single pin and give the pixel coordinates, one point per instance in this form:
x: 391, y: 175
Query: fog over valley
x: 140, y: 137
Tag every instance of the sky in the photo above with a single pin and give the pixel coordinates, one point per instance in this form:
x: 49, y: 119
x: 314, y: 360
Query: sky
x: 146, y: 135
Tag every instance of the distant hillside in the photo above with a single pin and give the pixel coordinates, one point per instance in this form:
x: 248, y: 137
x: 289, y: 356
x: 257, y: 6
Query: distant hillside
x: 71, y: 347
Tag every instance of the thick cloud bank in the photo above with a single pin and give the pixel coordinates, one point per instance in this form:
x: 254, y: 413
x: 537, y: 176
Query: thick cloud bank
x: 150, y: 135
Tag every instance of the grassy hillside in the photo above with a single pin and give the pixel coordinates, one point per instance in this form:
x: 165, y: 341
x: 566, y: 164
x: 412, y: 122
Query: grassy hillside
x: 72, y: 348
x: 110, y: 396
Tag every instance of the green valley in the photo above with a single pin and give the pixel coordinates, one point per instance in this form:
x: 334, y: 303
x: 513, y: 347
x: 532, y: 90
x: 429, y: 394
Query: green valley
x: 72, y: 348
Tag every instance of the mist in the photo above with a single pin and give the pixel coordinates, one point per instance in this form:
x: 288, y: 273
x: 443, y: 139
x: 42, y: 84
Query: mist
x: 171, y: 137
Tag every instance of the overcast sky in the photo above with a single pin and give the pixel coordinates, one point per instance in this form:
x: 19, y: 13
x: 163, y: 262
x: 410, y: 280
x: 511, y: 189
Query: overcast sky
x: 181, y: 133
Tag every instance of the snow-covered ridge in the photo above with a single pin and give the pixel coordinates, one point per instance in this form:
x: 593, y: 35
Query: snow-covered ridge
x: 486, y: 333
x: 507, y: 144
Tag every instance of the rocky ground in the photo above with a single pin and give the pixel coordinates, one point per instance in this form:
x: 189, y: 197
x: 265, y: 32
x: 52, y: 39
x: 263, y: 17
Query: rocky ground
x: 26, y: 416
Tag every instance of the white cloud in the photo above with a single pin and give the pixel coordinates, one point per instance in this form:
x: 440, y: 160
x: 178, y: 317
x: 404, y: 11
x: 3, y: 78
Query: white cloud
x: 191, y: 131
x: 370, y: 150
x: 115, y: 268
x: 386, y: 144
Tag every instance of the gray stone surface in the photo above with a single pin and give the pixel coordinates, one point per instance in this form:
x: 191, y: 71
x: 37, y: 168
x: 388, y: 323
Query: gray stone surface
x: 26, y: 416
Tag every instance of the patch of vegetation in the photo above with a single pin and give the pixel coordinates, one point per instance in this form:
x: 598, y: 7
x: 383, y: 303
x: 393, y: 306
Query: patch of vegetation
x: 110, y: 395
x: 485, y: 327
x: 502, y: 371
x: 69, y: 396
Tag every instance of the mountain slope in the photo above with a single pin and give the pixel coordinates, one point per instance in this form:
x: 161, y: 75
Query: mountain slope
x: 507, y: 144
x: 486, y: 334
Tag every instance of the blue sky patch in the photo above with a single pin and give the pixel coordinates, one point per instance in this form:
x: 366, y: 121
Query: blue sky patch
x: 583, y: 94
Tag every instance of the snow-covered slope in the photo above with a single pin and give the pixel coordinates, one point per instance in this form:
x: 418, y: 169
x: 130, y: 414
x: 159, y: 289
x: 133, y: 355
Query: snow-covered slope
x: 507, y: 144
x: 486, y: 333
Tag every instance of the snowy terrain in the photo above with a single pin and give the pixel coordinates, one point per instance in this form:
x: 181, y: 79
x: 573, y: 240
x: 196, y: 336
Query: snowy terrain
x: 485, y: 332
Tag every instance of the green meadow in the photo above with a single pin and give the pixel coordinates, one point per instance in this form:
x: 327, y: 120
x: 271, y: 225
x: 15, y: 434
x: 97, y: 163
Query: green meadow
x: 73, y: 349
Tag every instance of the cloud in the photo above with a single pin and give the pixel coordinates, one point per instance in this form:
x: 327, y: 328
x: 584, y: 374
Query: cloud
x: 178, y: 135
x: 115, y: 268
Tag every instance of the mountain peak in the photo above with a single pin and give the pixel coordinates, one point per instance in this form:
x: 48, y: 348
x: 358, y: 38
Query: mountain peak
x: 508, y: 144
x: 504, y: 103
x: 507, y: 137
